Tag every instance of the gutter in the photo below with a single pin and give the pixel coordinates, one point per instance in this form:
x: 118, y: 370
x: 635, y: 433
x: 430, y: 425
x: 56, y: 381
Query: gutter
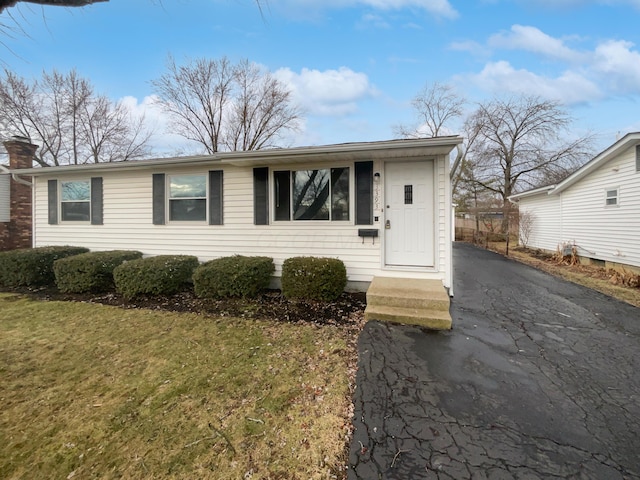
x: 15, y: 176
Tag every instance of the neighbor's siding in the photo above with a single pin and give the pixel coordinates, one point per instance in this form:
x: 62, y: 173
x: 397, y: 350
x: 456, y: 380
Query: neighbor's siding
x: 610, y: 233
x: 546, y: 218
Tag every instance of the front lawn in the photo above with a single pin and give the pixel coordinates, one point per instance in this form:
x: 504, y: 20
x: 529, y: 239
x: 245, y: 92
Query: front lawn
x: 93, y: 391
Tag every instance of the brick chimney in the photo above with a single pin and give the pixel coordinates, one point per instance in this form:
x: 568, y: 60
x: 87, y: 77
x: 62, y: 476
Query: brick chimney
x: 16, y: 233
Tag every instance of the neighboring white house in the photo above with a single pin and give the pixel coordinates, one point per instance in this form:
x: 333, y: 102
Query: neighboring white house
x: 383, y: 208
x: 597, y: 208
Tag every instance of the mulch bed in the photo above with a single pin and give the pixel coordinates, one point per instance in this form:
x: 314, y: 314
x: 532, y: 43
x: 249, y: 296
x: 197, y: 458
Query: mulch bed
x: 270, y: 305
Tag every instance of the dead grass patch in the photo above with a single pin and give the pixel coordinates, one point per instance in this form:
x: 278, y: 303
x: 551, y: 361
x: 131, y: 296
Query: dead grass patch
x: 93, y: 391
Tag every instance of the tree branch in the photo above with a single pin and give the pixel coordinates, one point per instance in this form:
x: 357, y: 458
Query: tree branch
x: 56, y: 3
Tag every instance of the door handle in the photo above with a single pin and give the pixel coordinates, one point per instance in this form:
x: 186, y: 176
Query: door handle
x: 387, y: 224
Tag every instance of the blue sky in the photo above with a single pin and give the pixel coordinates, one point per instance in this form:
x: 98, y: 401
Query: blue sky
x: 354, y: 65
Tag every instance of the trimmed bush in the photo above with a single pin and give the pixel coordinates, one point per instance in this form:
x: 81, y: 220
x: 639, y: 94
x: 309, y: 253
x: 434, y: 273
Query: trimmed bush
x: 161, y: 275
x: 313, y: 278
x: 90, y: 272
x: 236, y: 276
x: 33, y: 266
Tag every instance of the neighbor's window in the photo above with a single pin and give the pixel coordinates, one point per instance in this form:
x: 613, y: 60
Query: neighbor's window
x: 611, y: 197
x: 321, y: 194
x: 188, y: 198
x: 75, y: 203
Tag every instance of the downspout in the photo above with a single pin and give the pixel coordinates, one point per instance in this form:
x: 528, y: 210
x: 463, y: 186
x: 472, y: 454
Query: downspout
x: 15, y: 176
x: 452, y: 219
x: 456, y: 162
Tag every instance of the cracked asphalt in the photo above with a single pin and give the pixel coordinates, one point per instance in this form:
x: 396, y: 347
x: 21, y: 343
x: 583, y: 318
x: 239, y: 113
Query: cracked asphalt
x: 539, y: 378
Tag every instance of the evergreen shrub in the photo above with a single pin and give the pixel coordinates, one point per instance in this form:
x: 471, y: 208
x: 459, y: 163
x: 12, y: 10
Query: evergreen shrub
x: 90, y: 272
x: 236, y: 276
x: 313, y: 278
x: 33, y: 266
x: 160, y: 275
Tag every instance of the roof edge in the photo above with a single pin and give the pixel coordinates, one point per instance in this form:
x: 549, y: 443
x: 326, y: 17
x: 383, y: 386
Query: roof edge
x: 530, y: 193
x: 597, y: 161
x: 243, y: 157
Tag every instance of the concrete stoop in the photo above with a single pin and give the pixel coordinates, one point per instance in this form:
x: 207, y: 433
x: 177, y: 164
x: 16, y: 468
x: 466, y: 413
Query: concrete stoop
x: 408, y: 300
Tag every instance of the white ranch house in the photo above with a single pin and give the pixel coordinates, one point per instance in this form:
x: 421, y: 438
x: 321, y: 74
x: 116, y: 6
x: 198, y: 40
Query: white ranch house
x: 596, y: 209
x: 383, y: 208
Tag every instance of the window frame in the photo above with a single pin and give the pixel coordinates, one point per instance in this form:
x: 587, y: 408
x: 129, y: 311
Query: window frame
x: 169, y: 198
x: 615, y: 197
x: 61, y: 201
x: 273, y: 194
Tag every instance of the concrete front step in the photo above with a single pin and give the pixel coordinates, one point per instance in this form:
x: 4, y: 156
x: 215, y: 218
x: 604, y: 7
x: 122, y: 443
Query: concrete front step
x: 412, y: 301
x: 431, y: 319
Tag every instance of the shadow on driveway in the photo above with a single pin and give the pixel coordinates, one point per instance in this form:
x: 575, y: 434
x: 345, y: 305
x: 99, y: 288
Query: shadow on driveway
x: 539, y: 378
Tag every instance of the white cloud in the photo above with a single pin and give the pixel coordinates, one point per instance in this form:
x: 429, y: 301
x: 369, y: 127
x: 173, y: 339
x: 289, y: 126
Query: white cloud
x: 619, y: 66
x: 438, y: 8
x: 470, y: 46
x: 531, y: 39
x: 609, y: 68
x: 328, y: 92
x: 375, y: 21
x: 569, y: 87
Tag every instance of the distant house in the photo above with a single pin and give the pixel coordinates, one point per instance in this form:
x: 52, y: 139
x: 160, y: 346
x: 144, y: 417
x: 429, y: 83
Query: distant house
x: 383, y: 208
x: 596, y: 209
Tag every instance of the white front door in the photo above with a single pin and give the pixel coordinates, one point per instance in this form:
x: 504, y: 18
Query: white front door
x: 409, y: 214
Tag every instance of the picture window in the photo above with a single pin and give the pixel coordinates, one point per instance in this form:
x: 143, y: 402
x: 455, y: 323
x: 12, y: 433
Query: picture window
x: 319, y: 194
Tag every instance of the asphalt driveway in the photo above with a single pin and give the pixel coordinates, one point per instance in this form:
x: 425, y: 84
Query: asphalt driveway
x: 539, y: 378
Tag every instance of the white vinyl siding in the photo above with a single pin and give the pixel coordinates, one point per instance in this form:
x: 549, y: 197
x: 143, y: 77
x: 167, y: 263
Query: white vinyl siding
x: 5, y: 197
x: 546, y: 221
x: 600, y: 231
x: 128, y: 224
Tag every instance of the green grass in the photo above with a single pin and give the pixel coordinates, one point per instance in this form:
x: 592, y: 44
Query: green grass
x: 90, y: 391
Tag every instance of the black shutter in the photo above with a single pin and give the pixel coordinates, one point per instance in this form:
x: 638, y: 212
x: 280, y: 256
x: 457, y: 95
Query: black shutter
x: 53, y: 201
x: 364, y: 193
x: 215, y: 197
x: 158, y: 199
x: 261, y: 196
x: 282, y: 195
x: 96, y: 201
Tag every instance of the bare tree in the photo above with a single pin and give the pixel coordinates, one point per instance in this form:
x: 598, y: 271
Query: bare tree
x: 435, y: 106
x: 223, y: 106
x: 526, y: 222
x: 69, y: 121
x: 195, y: 97
x: 519, y: 141
x: 57, y: 3
x: 261, y: 110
